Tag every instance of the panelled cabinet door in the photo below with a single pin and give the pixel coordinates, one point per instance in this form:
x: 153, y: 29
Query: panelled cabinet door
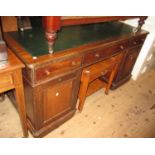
x: 60, y: 96
x: 129, y: 62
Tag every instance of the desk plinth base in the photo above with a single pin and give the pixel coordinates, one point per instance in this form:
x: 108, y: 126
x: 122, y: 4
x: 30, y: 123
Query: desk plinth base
x: 51, y: 126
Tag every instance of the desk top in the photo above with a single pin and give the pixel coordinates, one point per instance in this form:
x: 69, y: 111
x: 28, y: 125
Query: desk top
x: 69, y: 37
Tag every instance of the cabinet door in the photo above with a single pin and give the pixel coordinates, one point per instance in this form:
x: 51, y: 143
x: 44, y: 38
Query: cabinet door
x: 60, y: 96
x: 129, y: 62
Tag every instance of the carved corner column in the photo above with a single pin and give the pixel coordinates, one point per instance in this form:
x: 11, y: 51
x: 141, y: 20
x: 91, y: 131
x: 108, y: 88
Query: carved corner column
x: 51, y: 25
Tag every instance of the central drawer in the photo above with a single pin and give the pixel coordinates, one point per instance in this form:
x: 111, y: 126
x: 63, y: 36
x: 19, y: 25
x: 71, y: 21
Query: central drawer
x: 102, y: 53
x: 101, y: 68
x: 56, y: 68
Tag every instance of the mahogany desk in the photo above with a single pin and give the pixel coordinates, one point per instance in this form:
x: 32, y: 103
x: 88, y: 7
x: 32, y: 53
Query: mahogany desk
x: 11, y: 78
x: 51, y: 81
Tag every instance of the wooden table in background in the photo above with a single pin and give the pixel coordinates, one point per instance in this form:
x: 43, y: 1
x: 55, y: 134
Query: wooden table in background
x: 11, y: 78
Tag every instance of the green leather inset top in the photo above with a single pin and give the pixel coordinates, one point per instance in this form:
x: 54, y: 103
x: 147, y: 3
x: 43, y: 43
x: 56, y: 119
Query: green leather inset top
x: 68, y: 37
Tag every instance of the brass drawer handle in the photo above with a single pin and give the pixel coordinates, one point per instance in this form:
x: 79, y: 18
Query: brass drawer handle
x: 97, y: 55
x: 59, y: 79
x: 135, y: 43
x: 74, y: 63
x: 47, y: 72
x: 131, y: 57
x: 122, y: 47
x: 104, y: 72
x: 57, y: 94
x: 87, y: 71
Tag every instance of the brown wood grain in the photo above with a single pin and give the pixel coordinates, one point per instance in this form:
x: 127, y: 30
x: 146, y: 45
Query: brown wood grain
x: 9, y: 23
x: 95, y: 71
x: 75, y: 20
x: 11, y: 78
x: 44, y: 110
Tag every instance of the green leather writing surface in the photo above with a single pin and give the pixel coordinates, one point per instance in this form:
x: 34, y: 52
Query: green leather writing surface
x: 68, y: 37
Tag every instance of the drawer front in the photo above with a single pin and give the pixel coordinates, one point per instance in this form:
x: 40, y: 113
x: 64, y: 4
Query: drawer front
x: 98, y: 73
x: 54, y: 69
x: 6, y: 82
x: 137, y: 41
x: 103, y: 67
x: 103, y: 53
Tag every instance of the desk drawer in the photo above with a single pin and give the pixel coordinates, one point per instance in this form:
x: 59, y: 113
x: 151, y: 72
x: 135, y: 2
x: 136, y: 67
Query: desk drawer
x: 104, y: 52
x: 6, y: 82
x: 103, y: 67
x: 137, y: 41
x: 57, y: 68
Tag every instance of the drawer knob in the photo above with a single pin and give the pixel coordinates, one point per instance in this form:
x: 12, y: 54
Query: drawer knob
x: 87, y: 71
x: 57, y: 94
x: 104, y: 72
x: 122, y: 47
x: 135, y: 43
x: 59, y: 79
x: 97, y: 55
x: 47, y: 72
x: 131, y: 57
x: 74, y: 63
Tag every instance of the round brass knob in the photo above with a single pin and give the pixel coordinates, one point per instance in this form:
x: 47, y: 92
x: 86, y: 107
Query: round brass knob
x: 104, y: 72
x: 73, y: 63
x: 87, y: 71
x: 59, y: 79
x: 135, y: 43
x: 97, y: 55
x: 57, y: 94
x: 47, y: 72
x: 122, y: 47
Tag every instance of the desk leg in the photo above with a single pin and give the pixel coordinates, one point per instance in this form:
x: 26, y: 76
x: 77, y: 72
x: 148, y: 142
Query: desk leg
x: 19, y: 91
x: 112, y: 75
x: 83, y: 89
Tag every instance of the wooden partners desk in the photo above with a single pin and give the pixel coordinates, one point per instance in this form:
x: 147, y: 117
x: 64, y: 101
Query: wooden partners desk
x: 11, y: 78
x: 52, y: 81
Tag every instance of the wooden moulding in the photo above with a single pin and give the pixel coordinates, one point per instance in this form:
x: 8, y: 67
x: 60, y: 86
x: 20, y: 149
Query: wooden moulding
x: 75, y: 20
x: 46, y: 129
x: 55, y: 22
